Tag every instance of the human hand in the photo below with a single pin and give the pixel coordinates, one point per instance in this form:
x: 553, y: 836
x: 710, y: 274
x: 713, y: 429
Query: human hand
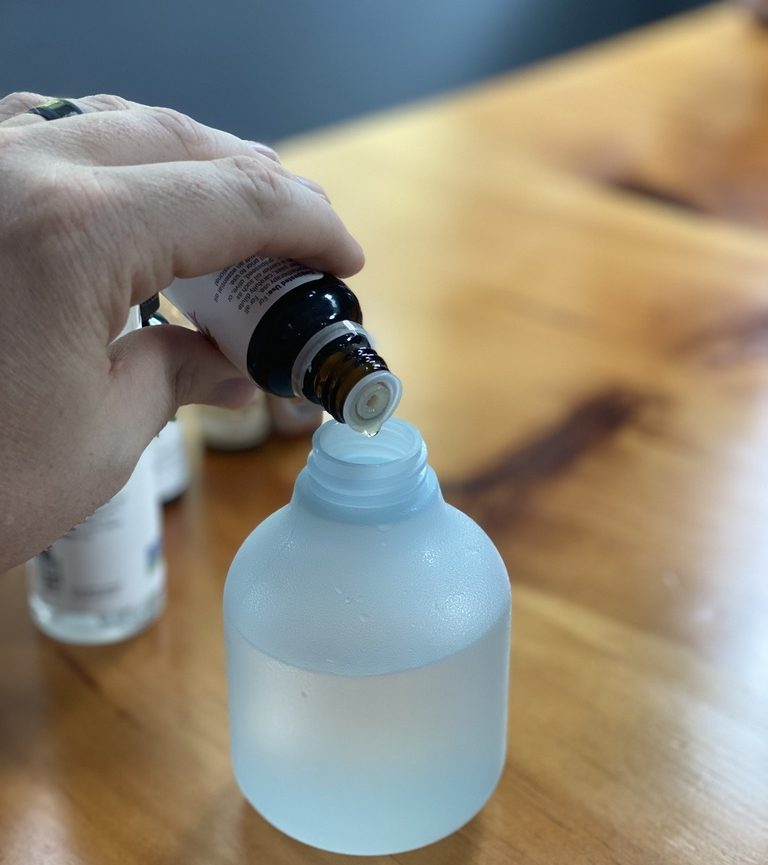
x: 99, y: 212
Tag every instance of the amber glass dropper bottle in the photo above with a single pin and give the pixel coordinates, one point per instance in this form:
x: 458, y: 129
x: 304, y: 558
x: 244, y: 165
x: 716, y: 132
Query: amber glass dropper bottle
x: 295, y: 332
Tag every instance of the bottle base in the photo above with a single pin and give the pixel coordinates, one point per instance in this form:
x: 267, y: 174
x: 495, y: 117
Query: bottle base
x: 94, y: 629
x: 379, y: 847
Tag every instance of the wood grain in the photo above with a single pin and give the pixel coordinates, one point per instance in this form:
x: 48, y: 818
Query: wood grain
x: 587, y: 363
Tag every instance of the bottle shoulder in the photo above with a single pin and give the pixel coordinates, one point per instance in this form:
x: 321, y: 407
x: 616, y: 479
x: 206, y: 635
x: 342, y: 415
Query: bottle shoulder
x: 290, y: 322
x: 371, y: 598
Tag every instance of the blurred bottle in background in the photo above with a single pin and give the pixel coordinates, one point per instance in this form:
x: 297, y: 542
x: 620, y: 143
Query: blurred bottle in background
x: 104, y: 580
x: 228, y: 429
x: 293, y: 417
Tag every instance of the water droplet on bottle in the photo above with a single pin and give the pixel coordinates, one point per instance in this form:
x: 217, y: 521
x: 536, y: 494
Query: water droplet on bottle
x: 337, y: 589
x: 304, y: 694
x: 363, y: 618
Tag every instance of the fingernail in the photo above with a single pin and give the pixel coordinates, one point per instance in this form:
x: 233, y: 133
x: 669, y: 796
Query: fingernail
x: 264, y: 150
x: 315, y: 187
x: 310, y: 184
x: 233, y: 393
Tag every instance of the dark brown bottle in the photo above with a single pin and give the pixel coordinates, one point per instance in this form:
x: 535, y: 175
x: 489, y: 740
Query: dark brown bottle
x: 295, y: 332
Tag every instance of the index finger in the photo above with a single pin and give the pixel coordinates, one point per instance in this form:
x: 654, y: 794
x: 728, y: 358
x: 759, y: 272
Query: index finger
x: 190, y: 218
x: 142, y: 134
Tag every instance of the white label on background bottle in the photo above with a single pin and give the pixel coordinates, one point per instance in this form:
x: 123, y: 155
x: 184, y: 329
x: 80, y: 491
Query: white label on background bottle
x: 112, y: 560
x: 249, y: 287
x: 235, y: 429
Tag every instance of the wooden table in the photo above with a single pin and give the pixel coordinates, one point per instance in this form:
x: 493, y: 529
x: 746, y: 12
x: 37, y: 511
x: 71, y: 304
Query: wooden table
x: 569, y: 270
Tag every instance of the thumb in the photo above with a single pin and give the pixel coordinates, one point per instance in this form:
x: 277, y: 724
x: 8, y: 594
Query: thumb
x: 157, y: 369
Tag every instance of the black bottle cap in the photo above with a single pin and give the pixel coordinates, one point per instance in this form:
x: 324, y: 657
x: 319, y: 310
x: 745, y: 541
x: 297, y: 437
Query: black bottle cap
x: 149, y: 308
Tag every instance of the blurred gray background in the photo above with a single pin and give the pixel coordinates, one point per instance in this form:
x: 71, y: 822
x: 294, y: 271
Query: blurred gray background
x: 267, y: 69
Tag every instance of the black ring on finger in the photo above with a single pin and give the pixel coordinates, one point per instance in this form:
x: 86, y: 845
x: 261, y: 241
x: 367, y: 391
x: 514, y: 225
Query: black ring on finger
x: 55, y: 109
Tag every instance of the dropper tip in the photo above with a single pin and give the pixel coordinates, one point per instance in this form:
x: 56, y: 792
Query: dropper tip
x: 372, y: 401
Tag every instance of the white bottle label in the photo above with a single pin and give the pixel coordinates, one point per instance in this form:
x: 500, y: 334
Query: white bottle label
x: 112, y: 560
x: 228, y: 305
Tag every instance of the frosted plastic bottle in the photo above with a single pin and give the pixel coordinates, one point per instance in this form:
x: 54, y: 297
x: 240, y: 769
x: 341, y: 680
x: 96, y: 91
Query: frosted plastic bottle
x: 367, y: 627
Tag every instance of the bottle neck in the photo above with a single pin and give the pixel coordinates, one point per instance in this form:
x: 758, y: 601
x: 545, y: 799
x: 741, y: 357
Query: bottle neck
x: 367, y: 480
x: 340, y: 370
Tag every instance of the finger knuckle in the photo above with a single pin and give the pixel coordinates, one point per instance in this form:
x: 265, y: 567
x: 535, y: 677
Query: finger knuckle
x: 262, y: 186
x: 187, y: 131
x: 20, y: 101
x: 106, y: 102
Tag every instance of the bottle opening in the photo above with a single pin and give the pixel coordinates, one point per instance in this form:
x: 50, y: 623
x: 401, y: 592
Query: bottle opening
x: 398, y: 444
x: 364, y: 476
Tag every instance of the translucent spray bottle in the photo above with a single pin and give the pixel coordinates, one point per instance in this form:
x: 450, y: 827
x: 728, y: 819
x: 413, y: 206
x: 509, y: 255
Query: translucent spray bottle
x: 104, y: 580
x: 297, y: 333
x: 367, y: 627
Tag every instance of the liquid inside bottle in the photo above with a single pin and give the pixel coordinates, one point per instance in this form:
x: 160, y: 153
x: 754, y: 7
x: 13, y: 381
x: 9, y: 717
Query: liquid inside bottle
x: 369, y: 764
